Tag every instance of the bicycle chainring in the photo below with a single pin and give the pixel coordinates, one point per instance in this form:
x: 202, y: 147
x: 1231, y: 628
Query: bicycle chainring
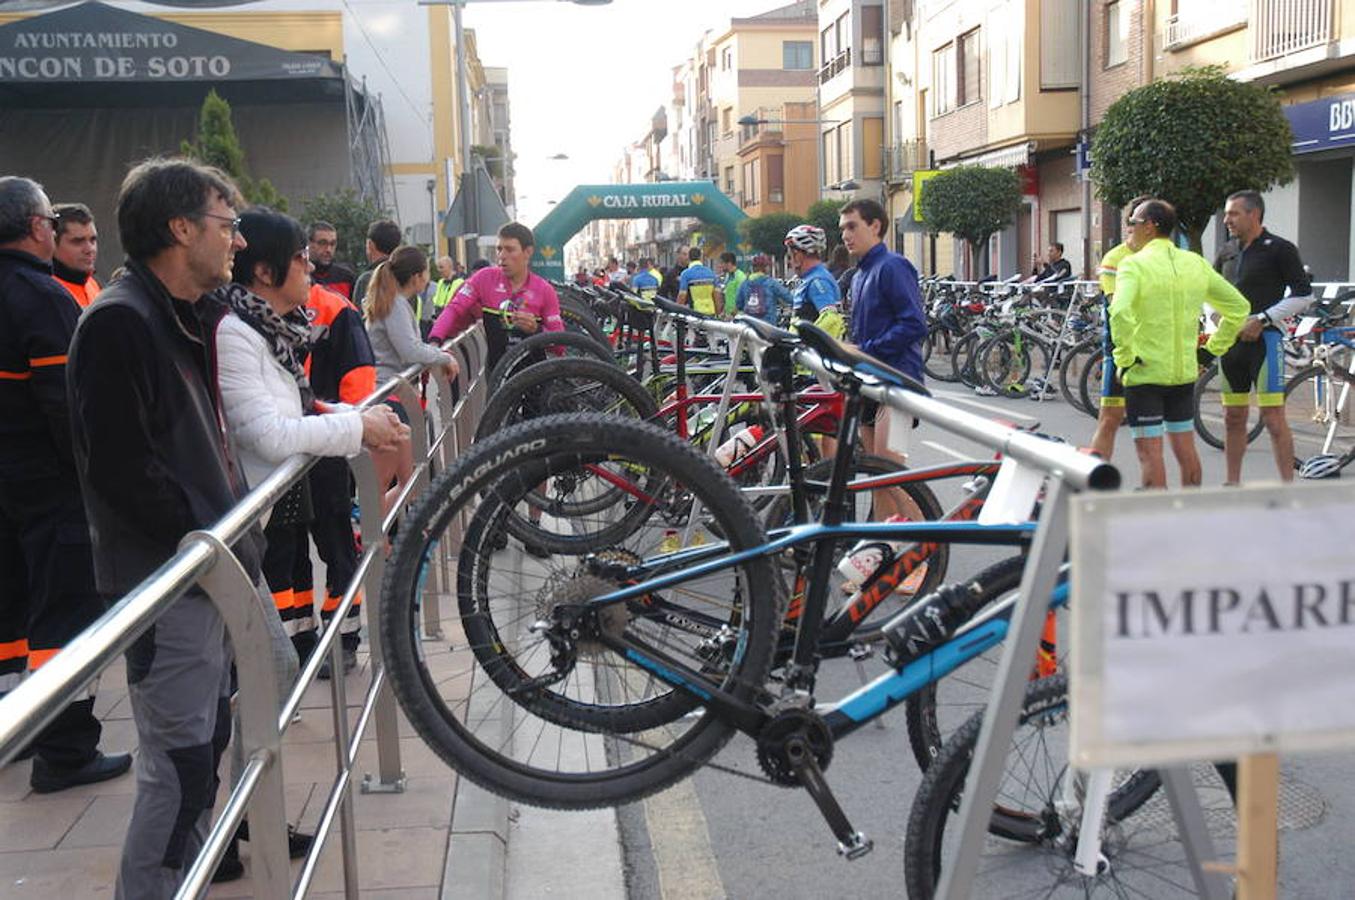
x: 772, y: 755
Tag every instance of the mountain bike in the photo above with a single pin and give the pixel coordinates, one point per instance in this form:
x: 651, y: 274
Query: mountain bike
x: 610, y: 679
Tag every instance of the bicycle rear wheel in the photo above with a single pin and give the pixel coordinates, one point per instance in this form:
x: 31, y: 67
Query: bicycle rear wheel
x: 1209, y: 410
x: 524, y: 693
x: 915, y: 500
x: 1032, y: 832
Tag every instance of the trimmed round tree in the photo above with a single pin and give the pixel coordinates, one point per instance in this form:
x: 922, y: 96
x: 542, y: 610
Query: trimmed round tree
x: 1192, y: 139
x: 973, y: 203
x: 767, y: 233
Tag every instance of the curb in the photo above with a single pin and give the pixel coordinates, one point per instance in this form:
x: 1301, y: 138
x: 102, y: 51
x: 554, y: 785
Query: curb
x: 475, y: 866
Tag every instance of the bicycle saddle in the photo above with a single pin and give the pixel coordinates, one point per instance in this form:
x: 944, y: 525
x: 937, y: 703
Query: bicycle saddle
x: 770, y: 333
x: 822, y: 342
x: 679, y: 309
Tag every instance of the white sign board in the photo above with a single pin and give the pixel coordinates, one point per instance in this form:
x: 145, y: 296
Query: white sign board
x: 1209, y: 624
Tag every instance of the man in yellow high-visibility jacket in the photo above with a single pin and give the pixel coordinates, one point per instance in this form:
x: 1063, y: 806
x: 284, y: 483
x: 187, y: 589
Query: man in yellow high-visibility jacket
x: 1155, y: 324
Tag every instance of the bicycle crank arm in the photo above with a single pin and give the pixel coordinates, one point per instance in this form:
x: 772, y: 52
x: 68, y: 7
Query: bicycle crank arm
x: 850, y: 842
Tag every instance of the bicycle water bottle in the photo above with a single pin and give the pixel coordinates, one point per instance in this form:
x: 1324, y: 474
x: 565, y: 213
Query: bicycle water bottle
x: 737, y: 446
x: 929, y: 622
x: 865, y: 559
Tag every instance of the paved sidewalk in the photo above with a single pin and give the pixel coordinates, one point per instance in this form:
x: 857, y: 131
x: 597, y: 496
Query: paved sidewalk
x: 430, y: 841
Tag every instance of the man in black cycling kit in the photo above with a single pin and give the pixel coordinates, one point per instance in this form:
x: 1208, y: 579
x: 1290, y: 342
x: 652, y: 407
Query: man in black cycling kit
x: 1262, y: 266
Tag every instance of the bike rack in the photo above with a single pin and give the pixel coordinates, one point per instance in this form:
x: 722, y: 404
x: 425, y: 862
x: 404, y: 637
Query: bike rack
x: 1064, y: 471
x: 206, y: 561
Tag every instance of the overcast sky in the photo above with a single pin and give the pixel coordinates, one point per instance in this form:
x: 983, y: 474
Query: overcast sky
x: 585, y: 80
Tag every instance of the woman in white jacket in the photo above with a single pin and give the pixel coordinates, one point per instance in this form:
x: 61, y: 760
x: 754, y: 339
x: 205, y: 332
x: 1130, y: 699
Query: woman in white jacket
x: 270, y: 411
x: 271, y: 415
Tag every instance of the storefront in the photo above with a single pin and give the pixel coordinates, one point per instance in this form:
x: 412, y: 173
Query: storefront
x: 1315, y: 210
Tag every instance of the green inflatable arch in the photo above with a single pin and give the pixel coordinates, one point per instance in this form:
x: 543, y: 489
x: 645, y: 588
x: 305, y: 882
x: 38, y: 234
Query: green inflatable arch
x: 664, y: 200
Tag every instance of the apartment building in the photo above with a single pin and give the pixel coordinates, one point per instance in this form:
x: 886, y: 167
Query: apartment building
x: 998, y: 85
x: 758, y: 67
x: 1306, y: 50
x: 851, y: 92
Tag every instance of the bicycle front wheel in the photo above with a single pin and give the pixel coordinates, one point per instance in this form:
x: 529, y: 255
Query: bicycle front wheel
x: 1317, y: 406
x: 525, y: 692
x: 1032, y: 835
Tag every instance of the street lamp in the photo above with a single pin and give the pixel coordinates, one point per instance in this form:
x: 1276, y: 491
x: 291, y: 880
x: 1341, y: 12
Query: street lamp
x: 848, y: 185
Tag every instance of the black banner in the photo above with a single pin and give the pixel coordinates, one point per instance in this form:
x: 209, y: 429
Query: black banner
x: 97, y: 42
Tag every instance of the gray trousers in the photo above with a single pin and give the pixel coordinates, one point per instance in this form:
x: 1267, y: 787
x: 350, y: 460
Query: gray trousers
x: 179, y: 685
x: 178, y: 681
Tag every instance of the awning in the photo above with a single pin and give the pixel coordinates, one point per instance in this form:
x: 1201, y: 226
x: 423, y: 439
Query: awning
x: 1010, y: 157
x: 105, y: 50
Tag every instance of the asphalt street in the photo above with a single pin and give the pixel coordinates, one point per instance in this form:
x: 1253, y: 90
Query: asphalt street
x: 722, y: 835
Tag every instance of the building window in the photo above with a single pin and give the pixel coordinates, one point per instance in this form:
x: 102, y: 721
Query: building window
x: 844, y: 32
x: 750, y: 192
x: 726, y: 59
x: 845, y: 157
x: 1117, y: 33
x: 797, y: 54
x: 828, y: 44
x: 943, y: 79
x: 1059, y: 37
x: 729, y: 180
x: 967, y: 67
x: 872, y: 35
x: 776, y: 179
x: 726, y: 120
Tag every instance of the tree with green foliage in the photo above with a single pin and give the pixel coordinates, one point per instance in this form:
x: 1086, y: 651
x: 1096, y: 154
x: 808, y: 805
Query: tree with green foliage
x: 767, y: 233
x: 217, y: 145
x: 1192, y: 139
x: 824, y: 214
x: 973, y: 203
x: 350, y: 216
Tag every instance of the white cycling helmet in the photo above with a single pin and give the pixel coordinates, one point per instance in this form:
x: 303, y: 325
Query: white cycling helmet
x: 1324, y: 465
x: 807, y: 239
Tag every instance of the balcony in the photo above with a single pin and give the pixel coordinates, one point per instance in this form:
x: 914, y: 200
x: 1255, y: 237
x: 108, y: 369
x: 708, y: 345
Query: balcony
x: 837, y: 64
x: 903, y: 159
x: 1282, y: 27
x: 1205, y: 19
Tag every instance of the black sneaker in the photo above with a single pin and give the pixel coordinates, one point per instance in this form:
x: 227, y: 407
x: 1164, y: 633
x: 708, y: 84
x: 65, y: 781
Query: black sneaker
x: 47, y: 779
x: 350, y: 662
x: 230, y: 868
x: 298, y: 843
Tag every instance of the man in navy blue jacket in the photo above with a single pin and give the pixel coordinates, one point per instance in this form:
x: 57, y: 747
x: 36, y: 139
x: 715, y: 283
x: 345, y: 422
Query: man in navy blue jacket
x: 887, y: 317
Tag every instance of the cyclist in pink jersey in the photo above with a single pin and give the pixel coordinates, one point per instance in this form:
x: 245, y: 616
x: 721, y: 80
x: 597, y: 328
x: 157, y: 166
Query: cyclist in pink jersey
x: 520, y: 301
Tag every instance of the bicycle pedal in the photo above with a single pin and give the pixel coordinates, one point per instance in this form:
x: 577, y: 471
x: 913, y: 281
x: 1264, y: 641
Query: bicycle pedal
x: 858, y: 846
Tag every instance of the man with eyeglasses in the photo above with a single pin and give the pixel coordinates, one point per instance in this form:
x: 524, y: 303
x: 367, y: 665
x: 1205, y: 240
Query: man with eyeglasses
x: 322, y: 241
x: 155, y: 463
x: 1154, y: 320
x: 47, y: 593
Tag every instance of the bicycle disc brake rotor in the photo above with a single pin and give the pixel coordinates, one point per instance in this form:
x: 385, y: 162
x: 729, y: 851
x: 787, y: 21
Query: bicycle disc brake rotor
x: 772, y: 754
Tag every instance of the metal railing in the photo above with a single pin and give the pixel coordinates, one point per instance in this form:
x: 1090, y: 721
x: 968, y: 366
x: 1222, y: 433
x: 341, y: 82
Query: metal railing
x: 1202, y: 19
x: 206, y: 561
x: 1281, y: 27
x: 904, y: 158
x: 839, y: 63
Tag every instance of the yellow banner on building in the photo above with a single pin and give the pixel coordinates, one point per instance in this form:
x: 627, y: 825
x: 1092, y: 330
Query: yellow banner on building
x: 921, y: 177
